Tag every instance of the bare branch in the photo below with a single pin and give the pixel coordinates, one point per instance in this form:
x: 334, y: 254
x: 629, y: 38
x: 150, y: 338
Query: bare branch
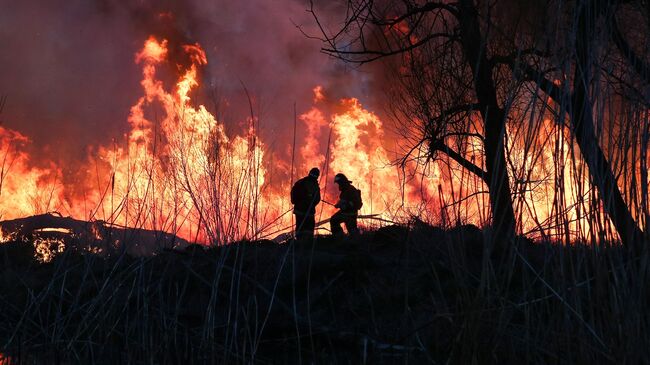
x: 470, y: 166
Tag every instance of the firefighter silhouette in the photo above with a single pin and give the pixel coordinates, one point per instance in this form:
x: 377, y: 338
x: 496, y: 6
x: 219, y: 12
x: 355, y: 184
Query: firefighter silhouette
x: 305, y: 195
x: 349, y: 204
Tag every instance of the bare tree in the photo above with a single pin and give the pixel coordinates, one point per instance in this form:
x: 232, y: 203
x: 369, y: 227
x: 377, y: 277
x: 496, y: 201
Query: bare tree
x: 449, y: 82
x: 568, y: 65
x: 557, y: 50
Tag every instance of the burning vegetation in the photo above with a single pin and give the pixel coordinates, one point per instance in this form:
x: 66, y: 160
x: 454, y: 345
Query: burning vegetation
x: 178, y: 170
x: 499, y: 159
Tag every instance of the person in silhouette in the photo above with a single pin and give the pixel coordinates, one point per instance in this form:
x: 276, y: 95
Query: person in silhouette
x: 305, y: 195
x: 349, y: 204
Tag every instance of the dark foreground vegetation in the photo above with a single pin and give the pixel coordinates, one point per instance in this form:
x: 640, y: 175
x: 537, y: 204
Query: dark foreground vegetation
x: 414, y: 294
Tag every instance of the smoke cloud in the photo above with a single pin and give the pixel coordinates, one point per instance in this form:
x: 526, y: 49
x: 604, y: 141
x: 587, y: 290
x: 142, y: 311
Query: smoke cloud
x: 68, y: 68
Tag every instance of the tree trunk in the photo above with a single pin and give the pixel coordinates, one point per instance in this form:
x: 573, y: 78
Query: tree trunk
x: 582, y: 125
x: 503, y: 217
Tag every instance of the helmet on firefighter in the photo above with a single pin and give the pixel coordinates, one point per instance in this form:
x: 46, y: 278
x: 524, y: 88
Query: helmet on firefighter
x: 341, y: 179
x: 314, y: 172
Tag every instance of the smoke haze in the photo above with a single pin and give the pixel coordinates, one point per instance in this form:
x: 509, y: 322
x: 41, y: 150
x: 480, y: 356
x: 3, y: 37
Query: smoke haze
x: 68, y: 68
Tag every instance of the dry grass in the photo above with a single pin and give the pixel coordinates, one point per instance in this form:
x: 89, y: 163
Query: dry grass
x: 396, y: 295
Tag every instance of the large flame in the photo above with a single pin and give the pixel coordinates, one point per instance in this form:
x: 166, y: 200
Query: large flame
x: 25, y: 189
x: 182, y: 173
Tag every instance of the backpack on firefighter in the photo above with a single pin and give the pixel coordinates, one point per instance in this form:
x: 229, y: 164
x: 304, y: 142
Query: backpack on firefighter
x: 297, y: 192
x: 350, y: 196
x: 357, y: 202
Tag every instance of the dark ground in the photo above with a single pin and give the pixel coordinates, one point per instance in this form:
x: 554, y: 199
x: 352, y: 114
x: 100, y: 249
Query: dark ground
x: 413, y: 294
